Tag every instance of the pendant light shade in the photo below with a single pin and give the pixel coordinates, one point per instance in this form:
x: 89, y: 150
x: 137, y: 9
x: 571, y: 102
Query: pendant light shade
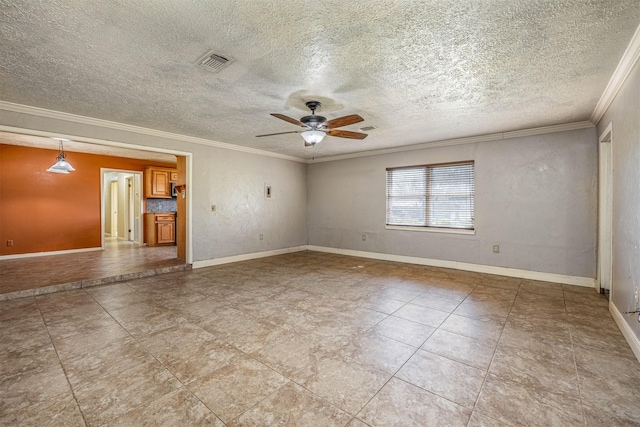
x: 61, y: 165
x: 312, y: 137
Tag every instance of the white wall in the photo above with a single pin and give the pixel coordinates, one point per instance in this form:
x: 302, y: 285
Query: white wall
x: 535, y: 196
x: 624, y: 114
x: 232, y: 180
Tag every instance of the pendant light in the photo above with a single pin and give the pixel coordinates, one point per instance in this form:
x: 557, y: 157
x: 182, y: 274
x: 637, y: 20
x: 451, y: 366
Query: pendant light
x: 61, y: 165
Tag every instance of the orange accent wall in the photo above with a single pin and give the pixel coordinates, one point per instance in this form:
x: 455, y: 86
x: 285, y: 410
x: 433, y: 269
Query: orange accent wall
x: 42, y: 211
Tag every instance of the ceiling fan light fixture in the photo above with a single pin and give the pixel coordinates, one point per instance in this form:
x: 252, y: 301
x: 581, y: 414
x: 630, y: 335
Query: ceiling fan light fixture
x: 312, y: 137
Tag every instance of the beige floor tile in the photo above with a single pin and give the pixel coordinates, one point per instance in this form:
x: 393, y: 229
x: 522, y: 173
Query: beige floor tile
x: 21, y: 390
x: 470, y: 351
x: 519, y: 404
x: 378, y: 351
x: 178, y: 408
x: 479, y: 420
x: 436, y: 302
x: 345, y: 383
x: 58, y: 411
x: 426, y: 316
x: 320, y: 323
x: 90, y: 341
x: 609, y: 384
x: 295, y: 354
x: 112, y: 297
x: 538, y: 365
x: 292, y: 405
x: 24, y: 332
x: 236, y: 387
x: 489, y: 293
x: 355, y: 422
x: 452, y: 380
x: 405, y: 331
x: 403, y: 404
x: 503, y: 282
x: 484, y: 310
x: 475, y: 328
x: 145, y: 318
x: 379, y: 303
x: 20, y: 360
x: 109, y: 397
x: 189, y: 352
x: 111, y: 360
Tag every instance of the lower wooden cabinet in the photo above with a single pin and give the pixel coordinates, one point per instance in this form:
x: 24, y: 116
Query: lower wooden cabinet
x: 160, y: 229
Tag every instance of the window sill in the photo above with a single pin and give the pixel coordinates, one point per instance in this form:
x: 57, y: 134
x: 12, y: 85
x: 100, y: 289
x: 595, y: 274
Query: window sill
x: 431, y: 229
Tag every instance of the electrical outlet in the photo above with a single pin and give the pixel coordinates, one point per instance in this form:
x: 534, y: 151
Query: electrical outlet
x: 9, y: 242
x: 261, y: 237
x: 364, y: 237
x: 496, y: 249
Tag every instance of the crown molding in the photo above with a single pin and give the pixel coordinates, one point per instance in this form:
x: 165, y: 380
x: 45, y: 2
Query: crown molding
x: 626, y: 64
x: 460, y: 141
x: 41, y: 112
x: 58, y: 115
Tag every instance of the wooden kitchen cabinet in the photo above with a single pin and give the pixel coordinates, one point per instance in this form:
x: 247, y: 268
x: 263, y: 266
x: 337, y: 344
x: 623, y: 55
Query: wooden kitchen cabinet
x: 160, y: 229
x: 157, y: 182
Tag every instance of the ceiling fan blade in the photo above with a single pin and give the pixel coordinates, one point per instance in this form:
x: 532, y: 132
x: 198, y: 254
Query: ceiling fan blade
x: 343, y: 121
x: 279, y: 133
x: 288, y: 119
x: 346, y: 134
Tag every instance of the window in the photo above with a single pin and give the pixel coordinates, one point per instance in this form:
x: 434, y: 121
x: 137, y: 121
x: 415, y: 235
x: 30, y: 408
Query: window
x: 438, y: 196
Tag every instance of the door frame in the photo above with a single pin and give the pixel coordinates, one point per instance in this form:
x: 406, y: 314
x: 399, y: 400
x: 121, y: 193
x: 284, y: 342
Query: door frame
x: 605, y: 211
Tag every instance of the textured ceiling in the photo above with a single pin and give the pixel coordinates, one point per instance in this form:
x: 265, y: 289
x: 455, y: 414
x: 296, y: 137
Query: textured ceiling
x: 418, y: 71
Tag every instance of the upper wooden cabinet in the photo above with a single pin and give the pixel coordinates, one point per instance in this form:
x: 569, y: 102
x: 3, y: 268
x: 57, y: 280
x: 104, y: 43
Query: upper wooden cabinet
x: 157, y: 182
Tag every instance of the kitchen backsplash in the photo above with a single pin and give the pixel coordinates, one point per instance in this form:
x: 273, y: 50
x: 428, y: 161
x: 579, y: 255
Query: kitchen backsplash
x: 162, y: 205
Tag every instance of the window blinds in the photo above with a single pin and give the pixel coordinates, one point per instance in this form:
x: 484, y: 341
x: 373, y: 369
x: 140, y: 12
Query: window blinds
x: 431, y: 196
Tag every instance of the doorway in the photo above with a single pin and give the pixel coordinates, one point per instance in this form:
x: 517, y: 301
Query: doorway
x: 121, y: 205
x: 605, y: 211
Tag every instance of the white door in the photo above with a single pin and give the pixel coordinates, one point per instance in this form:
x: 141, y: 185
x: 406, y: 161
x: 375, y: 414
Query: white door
x: 605, y: 210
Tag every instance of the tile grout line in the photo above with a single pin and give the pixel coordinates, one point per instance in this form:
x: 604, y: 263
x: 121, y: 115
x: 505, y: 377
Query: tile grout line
x: 575, y: 363
x: 484, y: 380
x: 183, y: 385
x: 406, y: 361
x: 64, y: 371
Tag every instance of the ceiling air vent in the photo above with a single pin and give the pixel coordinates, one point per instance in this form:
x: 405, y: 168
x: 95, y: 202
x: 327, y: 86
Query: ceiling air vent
x: 367, y: 128
x: 214, y: 62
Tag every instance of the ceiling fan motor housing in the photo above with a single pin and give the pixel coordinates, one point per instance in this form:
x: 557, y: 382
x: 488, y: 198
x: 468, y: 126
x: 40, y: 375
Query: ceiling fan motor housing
x: 313, y: 121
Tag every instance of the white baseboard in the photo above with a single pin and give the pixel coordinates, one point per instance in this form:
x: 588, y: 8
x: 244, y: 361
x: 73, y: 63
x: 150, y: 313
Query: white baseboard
x: 477, y: 268
x: 35, y: 254
x: 627, y: 332
x: 246, y: 257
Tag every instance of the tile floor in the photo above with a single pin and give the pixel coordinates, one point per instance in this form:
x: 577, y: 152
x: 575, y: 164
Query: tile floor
x: 43, y: 274
x: 313, y: 339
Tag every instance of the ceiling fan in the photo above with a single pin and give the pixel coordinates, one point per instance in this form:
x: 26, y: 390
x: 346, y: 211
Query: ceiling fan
x: 317, y: 127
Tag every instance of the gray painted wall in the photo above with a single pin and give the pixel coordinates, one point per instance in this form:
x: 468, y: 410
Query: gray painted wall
x: 535, y: 196
x: 232, y: 180
x: 624, y: 114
